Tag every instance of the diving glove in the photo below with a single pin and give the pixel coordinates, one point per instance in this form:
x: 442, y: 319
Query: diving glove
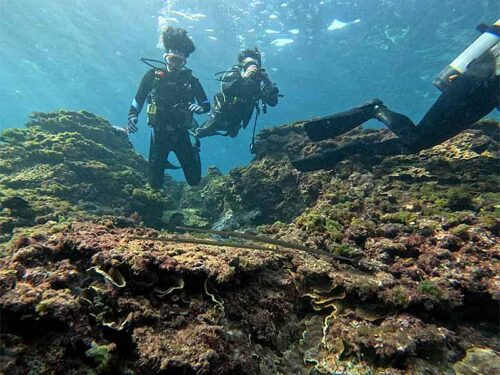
x: 132, y: 123
x: 270, y: 90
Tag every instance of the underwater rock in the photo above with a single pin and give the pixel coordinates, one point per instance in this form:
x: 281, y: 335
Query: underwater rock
x: 15, y: 203
x: 186, y: 307
x: 65, y: 164
x: 421, y: 295
x: 265, y: 191
x: 269, y: 182
x: 199, y: 325
x: 479, y: 361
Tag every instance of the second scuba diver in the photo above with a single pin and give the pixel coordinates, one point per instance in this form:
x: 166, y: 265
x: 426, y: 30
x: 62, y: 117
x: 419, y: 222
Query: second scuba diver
x: 171, y: 92
x: 242, y: 87
x: 471, y: 90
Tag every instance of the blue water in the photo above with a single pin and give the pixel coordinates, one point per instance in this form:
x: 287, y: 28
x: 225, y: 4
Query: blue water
x: 325, y: 56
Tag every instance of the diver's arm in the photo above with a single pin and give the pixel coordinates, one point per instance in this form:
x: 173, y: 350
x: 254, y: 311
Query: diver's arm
x: 200, y: 96
x: 143, y: 91
x: 485, y: 66
x: 270, y: 91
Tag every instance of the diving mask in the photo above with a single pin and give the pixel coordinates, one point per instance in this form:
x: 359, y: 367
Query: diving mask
x: 174, y: 61
x: 245, y: 64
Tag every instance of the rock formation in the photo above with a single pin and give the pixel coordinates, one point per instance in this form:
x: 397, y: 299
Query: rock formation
x: 88, y: 287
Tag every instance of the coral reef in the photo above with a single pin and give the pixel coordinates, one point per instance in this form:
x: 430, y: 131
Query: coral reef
x: 66, y: 163
x: 107, y: 303
x: 423, y: 227
x: 420, y: 296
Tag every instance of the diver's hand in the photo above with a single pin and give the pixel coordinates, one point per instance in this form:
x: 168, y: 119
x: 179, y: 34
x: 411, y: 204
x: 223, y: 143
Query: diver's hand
x: 251, y: 71
x: 195, y: 108
x: 132, y: 124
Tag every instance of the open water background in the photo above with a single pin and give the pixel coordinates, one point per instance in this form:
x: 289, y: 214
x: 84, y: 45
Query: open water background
x: 326, y: 56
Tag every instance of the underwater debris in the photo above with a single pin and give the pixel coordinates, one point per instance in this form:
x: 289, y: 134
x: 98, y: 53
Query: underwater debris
x: 269, y: 241
x: 200, y: 241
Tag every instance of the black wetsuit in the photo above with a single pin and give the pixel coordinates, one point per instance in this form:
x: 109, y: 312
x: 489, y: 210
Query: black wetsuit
x: 234, y: 106
x: 470, y: 97
x: 171, y: 92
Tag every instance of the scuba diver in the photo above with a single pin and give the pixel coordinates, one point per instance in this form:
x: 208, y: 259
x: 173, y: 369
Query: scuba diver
x: 242, y: 87
x: 470, y: 90
x: 170, y: 91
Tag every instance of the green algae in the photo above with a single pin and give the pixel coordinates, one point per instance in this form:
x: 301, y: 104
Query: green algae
x: 317, y: 221
x: 398, y: 296
x: 430, y: 289
x: 401, y: 217
x: 101, y: 356
x: 72, y: 163
x: 37, y: 367
x: 479, y: 361
x: 459, y: 198
x: 461, y: 231
x: 345, y: 250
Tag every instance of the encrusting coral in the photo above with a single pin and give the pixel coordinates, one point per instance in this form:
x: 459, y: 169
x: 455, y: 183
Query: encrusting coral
x: 420, y: 296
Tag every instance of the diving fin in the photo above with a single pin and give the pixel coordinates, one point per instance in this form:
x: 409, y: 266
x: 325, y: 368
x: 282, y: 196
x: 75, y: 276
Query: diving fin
x: 365, y: 149
x: 310, y: 163
x: 326, y: 127
x: 340, y: 123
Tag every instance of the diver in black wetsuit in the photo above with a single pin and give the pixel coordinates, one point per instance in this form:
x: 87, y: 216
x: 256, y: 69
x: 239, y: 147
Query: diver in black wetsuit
x: 171, y: 94
x: 469, y: 97
x: 242, y: 88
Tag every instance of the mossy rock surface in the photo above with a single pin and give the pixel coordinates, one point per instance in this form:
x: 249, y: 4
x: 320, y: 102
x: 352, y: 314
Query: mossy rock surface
x: 419, y: 296
x: 66, y: 162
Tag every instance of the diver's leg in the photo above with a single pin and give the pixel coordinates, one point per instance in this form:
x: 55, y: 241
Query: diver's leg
x: 156, y: 160
x: 232, y: 131
x: 214, y: 121
x: 399, y: 124
x: 466, y: 101
x: 207, y: 128
x: 340, y: 123
x: 211, y: 126
x: 189, y: 158
x: 328, y: 159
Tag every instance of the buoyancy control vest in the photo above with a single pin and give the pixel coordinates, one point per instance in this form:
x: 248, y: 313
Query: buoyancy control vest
x: 168, y: 101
